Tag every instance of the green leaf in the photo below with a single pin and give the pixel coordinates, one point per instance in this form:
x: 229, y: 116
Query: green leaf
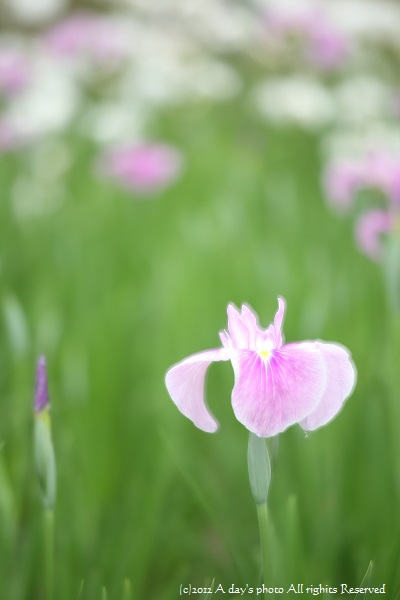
x: 365, y: 581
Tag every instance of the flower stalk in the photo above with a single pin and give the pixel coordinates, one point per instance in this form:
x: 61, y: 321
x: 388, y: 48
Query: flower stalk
x: 260, y: 471
x: 48, y: 535
x: 127, y: 590
x: 391, y: 267
x: 263, y: 524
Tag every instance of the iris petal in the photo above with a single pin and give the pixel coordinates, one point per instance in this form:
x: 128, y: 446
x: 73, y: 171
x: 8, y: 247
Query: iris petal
x: 341, y: 377
x: 270, y: 395
x: 238, y: 331
x: 185, y: 384
x: 278, y: 322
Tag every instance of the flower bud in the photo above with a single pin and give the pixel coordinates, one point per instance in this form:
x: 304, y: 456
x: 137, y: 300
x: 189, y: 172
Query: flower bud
x: 259, y: 464
x: 43, y: 446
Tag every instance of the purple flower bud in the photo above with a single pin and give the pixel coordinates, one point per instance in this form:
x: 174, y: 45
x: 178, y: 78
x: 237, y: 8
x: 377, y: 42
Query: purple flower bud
x: 41, y: 389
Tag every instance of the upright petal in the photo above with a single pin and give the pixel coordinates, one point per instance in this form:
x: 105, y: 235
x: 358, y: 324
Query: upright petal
x: 237, y: 329
x: 278, y: 322
x: 185, y: 384
x: 270, y: 395
x: 341, y: 378
x: 249, y: 318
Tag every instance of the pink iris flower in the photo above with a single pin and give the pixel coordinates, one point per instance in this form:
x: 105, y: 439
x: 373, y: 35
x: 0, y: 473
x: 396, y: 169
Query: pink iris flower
x: 88, y: 34
x: 328, y: 46
x: 143, y: 168
x: 342, y: 180
x: 370, y: 228
x: 383, y: 173
x: 14, y: 72
x: 325, y: 46
x: 378, y: 170
x: 8, y: 138
x: 276, y: 384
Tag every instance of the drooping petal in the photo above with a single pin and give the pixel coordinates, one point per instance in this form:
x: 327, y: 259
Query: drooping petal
x: 341, y: 377
x: 185, y: 384
x: 270, y: 395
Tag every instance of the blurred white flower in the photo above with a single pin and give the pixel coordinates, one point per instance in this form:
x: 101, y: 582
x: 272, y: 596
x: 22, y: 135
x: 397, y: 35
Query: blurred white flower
x: 367, y: 17
x: 35, y: 11
x: 30, y: 199
x: 48, y: 104
x: 362, y: 97
x: 358, y: 18
x: 220, y: 24
x: 286, y: 4
x: 346, y: 142
x: 169, y: 69
x: 116, y: 121
x: 40, y: 189
x: 296, y: 99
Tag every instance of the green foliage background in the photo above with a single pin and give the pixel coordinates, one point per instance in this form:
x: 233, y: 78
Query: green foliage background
x: 114, y: 289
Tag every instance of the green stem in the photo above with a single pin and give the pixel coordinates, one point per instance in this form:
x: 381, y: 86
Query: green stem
x: 127, y: 590
x: 259, y: 465
x: 262, y: 513
x: 49, y: 553
x: 393, y: 348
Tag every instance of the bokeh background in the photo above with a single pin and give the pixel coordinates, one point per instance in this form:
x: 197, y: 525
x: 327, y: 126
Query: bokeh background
x: 158, y: 160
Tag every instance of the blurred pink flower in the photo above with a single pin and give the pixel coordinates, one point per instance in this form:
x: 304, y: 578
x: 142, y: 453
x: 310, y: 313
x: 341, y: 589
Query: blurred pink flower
x: 377, y: 170
x: 325, y: 46
x: 14, y: 72
x: 370, y: 228
x: 382, y: 171
x: 10, y: 139
x: 342, y: 180
x: 6, y: 137
x: 276, y: 385
x: 328, y: 47
x: 143, y: 168
x: 89, y: 35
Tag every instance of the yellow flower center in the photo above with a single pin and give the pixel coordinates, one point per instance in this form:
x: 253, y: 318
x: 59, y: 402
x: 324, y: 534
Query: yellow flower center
x: 264, y: 353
